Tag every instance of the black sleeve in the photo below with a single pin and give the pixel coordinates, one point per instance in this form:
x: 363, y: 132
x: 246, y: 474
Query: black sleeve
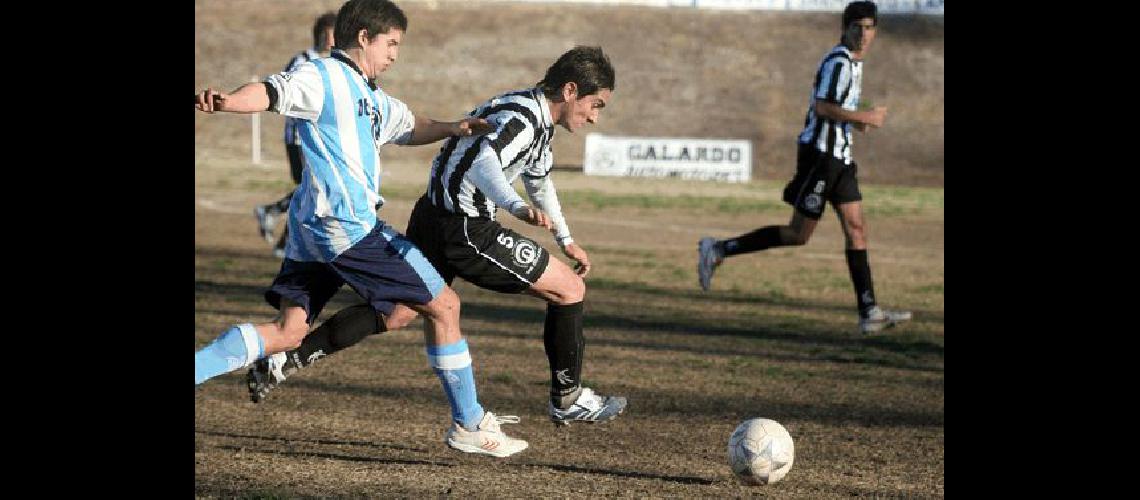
x: 272, y: 95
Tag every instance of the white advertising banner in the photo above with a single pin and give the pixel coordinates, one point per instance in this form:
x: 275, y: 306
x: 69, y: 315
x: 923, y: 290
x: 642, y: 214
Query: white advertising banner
x: 727, y: 160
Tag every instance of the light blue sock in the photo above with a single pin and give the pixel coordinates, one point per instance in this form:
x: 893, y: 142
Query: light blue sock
x: 452, y: 364
x: 237, y: 347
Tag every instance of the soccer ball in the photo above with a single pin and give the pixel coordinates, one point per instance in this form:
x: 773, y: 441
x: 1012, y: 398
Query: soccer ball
x: 760, y: 451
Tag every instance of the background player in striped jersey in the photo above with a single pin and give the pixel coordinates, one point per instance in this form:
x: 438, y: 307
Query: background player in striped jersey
x: 825, y: 170
x: 267, y: 214
x: 454, y: 223
x: 335, y: 236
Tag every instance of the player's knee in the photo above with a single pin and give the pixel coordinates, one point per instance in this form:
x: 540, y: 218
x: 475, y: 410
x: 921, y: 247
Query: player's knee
x: 799, y: 238
x: 573, y: 292
x: 399, y: 318
x: 856, y: 233
x: 292, y: 335
x: 444, y: 305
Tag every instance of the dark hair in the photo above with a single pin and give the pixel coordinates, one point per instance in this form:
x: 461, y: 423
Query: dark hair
x: 859, y: 10
x: 326, y: 21
x: 586, y: 66
x: 375, y: 16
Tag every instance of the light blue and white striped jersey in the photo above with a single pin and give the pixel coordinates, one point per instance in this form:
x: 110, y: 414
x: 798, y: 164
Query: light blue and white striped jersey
x: 344, y: 119
x: 839, y: 80
x: 291, y: 123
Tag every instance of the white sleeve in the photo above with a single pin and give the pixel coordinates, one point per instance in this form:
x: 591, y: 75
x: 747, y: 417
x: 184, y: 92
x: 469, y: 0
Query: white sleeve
x: 399, y: 122
x: 300, y: 93
x: 496, y: 150
x: 541, y: 191
x: 487, y: 174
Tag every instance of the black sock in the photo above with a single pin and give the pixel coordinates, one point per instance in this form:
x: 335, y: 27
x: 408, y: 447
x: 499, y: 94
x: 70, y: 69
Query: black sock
x: 281, y: 206
x: 284, y: 236
x: 861, y: 278
x: 347, y: 327
x: 760, y: 239
x: 562, y: 337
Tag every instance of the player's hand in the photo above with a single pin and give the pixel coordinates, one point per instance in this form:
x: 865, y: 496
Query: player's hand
x: 877, y: 116
x: 533, y: 216
x: 210, y: 100
x: 471, y: 126
x: 579, y: 255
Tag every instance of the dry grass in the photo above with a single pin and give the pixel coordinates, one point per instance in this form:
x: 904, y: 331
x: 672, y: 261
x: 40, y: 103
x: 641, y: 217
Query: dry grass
x: 774, y: 338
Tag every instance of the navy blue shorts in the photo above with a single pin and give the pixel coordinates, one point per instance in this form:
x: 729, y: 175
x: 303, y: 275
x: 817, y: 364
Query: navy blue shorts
x: 384, y: 268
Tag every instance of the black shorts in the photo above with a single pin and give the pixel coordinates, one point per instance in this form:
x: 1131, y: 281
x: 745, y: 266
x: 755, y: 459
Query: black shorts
x: 821, y: 177
x: 296, y: 163
x: 476, y: 249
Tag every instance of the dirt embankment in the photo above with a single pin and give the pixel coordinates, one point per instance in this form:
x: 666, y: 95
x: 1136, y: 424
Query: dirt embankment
x: 680, y: 72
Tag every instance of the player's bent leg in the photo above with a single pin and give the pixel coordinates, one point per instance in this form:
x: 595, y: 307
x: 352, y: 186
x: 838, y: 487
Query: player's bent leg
x: 441, y: 318
x: 344, y: 329
x: 799, y: 230
x: 559, y: 284
x: 565, y: 349
x: 243, y: 344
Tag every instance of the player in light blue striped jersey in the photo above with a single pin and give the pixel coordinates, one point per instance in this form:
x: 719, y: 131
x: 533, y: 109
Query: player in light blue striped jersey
x: 335, y: 236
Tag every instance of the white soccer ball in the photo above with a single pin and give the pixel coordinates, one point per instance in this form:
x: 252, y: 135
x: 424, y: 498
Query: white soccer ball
x: 760, y: 451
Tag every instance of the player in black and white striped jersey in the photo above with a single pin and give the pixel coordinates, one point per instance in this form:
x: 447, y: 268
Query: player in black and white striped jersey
x: 454, y: 225
x: 267, y: 214
x: 825, y: 170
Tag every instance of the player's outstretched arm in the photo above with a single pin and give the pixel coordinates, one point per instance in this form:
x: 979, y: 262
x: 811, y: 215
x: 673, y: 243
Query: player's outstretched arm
x: 249, y: 98
x: 428, y: 130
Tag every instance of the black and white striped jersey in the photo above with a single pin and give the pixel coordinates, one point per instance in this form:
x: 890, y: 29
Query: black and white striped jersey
x: 291, y: 124
x: 838, y: 80
x: 472, y: 176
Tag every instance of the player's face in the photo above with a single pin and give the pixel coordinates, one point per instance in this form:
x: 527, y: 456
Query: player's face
x: 583, y: 110
x: 867, y: 24
x: 329, y: 39
x: 382, y: 51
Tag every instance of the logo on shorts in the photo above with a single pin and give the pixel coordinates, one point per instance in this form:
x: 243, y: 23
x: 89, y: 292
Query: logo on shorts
x: 505, y: 240
x: 819, y: 185
x: 812, y: 202
x: 525, y: 253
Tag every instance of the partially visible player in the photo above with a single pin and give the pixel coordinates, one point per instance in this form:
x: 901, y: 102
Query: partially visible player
x: 825, y: 170
x: 267, y: 214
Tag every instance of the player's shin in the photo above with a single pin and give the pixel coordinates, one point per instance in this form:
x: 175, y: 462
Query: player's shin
x: 452, y: 364
x: 564, y: 343
x: 235, y: 348
x: 346, y: 328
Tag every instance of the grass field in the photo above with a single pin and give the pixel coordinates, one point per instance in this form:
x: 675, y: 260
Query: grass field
x: 775, y: 337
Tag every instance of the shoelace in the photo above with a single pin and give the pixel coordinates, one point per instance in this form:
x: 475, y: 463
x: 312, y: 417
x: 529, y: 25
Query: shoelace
x: 506, y: 419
